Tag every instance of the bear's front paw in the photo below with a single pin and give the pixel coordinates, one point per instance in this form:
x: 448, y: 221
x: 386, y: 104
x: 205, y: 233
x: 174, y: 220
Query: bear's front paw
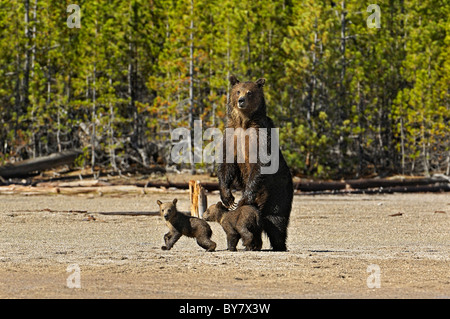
x: 228, y: 201
x: 164, y: 248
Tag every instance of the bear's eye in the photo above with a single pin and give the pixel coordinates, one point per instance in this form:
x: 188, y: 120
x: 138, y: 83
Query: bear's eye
x: 238, y: 92
x: 249, y: 93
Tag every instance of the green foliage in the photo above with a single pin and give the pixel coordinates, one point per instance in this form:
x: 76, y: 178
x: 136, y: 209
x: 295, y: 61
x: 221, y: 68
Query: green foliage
x: 349, y: 100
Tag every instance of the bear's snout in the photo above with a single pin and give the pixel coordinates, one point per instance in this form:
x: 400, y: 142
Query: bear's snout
x: 241, y: 102
x: 166, y: 216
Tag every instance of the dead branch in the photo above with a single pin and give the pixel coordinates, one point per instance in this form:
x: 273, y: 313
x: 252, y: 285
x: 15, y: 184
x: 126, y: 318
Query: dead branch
x: 25, y: 168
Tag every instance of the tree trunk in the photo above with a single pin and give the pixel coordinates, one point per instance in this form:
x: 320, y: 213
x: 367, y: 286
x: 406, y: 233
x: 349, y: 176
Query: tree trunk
x: 448, y: 165
x: 402, y: 143
x: 112, y: 153
x: 94, y: 119
x: 132, y: 78
x: 191, y: 88
x: 28, y: 48
x: 33, y: 58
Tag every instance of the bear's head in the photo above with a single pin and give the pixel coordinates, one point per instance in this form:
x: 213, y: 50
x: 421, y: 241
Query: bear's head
x: 214, y: 212
x: 247, y: 98
x: 167, y: 210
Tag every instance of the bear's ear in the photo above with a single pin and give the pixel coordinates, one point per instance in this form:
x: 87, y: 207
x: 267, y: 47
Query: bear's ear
x: 175, y: 201
x: 261, y: 82
x: 158, y: 202
x: 233, y: 80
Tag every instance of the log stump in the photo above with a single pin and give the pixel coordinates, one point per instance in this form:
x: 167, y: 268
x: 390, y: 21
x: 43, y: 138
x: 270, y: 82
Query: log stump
x: 198, y: 198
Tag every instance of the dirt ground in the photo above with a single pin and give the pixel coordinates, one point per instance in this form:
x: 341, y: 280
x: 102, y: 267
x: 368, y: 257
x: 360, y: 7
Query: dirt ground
x: 352, y: 246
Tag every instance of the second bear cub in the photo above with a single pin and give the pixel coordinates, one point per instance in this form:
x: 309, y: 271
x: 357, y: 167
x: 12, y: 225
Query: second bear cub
x: 240, y: 223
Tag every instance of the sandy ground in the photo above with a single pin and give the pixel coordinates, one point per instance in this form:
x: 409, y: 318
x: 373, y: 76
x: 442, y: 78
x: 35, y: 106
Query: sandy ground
x: 339, y: 247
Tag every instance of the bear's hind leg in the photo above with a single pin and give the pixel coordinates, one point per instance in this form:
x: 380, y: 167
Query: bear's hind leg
x: 206, y: 243
x: 276, y: 229
x: 257, y: 240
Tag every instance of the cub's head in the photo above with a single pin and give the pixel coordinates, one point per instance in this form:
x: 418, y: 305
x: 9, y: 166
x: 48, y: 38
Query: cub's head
x: 247, y: 97
x: 214, y: 212
x: 167, y: 210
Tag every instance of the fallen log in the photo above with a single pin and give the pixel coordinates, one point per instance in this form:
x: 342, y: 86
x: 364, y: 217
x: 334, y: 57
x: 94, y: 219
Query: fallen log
x: 78, y: 183
x: 313, y: 186
x: 418, y: 189
x: 405, y: 182
x: 76, y: 190
x: 125, y: 190
x: 209, y: 186
x: 438, y: 188
x: 317, y: 186
x: 437, y: 183
x: 25, y: 168
x: 28, y: 190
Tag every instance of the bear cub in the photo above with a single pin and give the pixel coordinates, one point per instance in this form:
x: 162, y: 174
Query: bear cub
x: 240, y: 223
x: 182, y: 224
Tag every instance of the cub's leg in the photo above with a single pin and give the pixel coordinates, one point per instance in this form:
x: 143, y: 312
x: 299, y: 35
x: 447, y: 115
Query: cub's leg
x: 232, y: 240
x: 206, y: 243
x: 170, y: 240
x: 247, y: 239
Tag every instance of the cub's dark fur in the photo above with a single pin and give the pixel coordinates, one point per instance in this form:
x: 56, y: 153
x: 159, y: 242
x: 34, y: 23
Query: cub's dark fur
x: 181, y: 224
x: 240, y: 223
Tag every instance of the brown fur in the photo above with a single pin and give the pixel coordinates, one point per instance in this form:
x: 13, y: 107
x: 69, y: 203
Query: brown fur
x: 271, y: 194
x: 252, y: 112
x: 240, y: 223
x: 182, y: 224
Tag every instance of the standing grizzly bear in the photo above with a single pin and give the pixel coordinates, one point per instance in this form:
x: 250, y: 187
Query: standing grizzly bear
x: 272, y: 193
x: 240, y: 223
x: 181, y: 224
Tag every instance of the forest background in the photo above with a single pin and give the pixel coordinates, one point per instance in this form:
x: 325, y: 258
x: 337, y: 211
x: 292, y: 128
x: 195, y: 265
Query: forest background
x: 351, y: 100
